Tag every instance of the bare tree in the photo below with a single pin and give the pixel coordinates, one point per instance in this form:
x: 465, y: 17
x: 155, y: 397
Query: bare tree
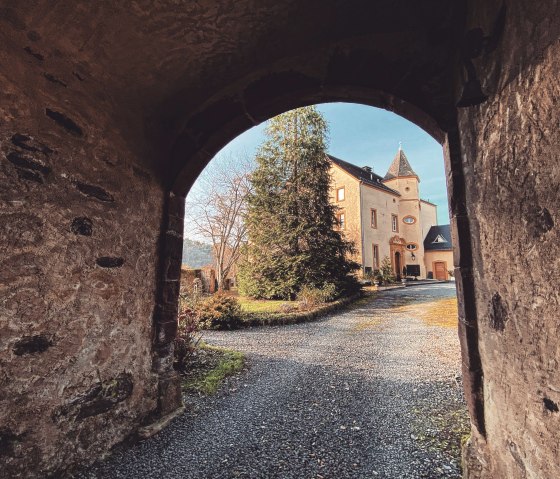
x: 215, y: 210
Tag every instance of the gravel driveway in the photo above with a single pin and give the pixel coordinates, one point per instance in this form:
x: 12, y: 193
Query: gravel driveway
x: 359, y: 394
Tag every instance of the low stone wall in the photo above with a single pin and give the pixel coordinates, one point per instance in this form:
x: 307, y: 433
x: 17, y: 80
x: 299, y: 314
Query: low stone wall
x: 207, y: 277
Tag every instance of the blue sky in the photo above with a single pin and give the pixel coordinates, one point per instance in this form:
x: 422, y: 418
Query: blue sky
x: 364, y: 135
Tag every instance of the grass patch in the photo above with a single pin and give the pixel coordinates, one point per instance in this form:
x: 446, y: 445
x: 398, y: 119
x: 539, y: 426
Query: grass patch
x: 444, y: 429
x: 210, y: 366
x: 249, y: 305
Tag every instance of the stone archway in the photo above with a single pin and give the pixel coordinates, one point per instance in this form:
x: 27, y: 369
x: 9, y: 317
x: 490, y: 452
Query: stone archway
x: 111, y: 111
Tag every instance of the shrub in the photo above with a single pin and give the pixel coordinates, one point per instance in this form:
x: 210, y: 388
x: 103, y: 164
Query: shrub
x: 288, y: 308
x: 328, y: 292
x: 348, y: 287
x: 220, y: 311
x: 386, y: 271
x: 190, y: 298
x: 187, y: 339
x: 310, y: 297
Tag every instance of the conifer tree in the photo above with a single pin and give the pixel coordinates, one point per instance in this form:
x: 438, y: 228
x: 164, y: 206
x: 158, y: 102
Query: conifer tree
x: 292, y: 236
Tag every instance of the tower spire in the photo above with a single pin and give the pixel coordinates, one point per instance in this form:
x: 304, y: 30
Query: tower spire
x: 400, y: 166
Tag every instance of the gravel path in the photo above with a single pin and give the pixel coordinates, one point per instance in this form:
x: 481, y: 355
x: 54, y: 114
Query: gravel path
x: 349, y: 396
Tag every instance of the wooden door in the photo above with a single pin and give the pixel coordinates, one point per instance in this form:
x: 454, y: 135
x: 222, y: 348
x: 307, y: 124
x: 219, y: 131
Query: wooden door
x: 398, y: 271
x: 440, y: 270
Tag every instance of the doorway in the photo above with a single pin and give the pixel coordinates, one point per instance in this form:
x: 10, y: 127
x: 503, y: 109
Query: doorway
x: 440, y: 270
x: 398, y: 265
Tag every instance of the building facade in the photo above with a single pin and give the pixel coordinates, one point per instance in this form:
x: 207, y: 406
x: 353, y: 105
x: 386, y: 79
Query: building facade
x: 386, y: 218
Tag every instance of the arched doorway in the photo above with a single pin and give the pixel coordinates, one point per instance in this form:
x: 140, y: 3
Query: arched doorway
x: 398, y: 248
x: 195, y: 147
x: 397, y: 265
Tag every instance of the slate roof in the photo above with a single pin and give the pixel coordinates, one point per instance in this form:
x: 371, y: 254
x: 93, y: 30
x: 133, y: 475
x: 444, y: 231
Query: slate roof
x: 442, y: 230
x: 369, y: 178
x: 400, y: 167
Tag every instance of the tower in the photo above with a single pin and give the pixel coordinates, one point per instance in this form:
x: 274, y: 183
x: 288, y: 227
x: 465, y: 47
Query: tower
x: 407, y: 241
x: 401, y: 177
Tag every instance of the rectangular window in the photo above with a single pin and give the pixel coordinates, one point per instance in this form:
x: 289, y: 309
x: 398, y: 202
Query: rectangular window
x: 375, y: 256
x: 395, y: 223
x: 341, y: 221
x: 373, y: 218
x: 340, y: 194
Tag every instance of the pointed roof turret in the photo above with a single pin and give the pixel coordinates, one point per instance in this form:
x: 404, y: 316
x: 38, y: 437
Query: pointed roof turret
x: 400, y: 167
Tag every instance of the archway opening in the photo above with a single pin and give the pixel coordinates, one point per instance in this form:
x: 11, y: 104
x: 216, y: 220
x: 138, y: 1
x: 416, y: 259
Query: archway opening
x: 404, y: 252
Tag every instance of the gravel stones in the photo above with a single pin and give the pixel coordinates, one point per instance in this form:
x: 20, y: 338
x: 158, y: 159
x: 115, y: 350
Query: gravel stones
x: 345, y: 397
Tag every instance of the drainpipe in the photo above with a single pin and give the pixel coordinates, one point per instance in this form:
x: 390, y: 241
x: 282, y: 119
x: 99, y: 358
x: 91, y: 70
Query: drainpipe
x: 362, y: 230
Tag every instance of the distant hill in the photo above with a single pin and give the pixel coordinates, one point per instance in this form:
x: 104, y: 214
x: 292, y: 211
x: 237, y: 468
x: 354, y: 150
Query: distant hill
x: 196, y: 254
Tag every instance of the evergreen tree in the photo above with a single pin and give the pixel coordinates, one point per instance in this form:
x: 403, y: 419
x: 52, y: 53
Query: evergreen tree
x: 291, y: 223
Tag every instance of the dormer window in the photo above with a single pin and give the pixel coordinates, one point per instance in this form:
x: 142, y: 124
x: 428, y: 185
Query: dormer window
x: 440, y: 239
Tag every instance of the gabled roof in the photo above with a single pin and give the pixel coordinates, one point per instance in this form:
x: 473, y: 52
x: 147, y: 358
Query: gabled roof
x: 368, y: 177
x: 400, y: 167
x: 438, y: 238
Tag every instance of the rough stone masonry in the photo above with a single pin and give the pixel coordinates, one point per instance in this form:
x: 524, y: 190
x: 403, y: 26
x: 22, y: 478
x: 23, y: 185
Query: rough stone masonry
x: 109, y: 111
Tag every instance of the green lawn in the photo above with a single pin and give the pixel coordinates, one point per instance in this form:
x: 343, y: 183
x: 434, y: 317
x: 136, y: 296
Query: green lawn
x: 249, y: 305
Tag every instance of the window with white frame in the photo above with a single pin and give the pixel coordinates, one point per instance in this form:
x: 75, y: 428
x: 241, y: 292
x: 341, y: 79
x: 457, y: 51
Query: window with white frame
x: 340, y: 194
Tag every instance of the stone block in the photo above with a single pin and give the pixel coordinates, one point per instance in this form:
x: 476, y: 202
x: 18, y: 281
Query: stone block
x: 170, y: 396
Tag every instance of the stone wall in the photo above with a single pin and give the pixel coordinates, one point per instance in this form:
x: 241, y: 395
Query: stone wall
x: 109, y: 112
x: 107, y: 107
x: 510, y: 148
x: 206, y: 276
x: 80, y: 223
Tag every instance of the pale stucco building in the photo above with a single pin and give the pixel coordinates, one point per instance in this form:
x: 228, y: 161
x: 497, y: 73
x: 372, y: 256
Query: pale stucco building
x: 385, y: 217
